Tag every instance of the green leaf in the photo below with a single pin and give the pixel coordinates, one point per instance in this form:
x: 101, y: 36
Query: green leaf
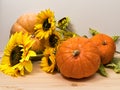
x: 93, y: 31
x: 102, y: 70
x: 115, y: 38
x: 115, y: 65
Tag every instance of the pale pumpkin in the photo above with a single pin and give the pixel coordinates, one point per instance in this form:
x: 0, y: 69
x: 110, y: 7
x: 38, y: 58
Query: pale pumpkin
x: 78, y: 58
x: 25, y: 23
x: 106, y: 46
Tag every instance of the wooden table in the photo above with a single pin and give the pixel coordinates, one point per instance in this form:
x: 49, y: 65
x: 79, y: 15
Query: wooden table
x: 39, y: 80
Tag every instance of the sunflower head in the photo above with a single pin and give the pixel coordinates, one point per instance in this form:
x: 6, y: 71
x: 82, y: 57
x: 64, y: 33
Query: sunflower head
x: 63, y: 23
x: 16, y: 55
x: 48, y: 62
x: 54, y: 39
x: 45, y: 25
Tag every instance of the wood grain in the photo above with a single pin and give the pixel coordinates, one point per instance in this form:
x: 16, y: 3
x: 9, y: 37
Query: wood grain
x: 39, y: 80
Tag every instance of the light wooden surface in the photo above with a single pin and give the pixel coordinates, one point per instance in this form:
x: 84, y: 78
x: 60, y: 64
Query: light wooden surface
x: 39, y: 80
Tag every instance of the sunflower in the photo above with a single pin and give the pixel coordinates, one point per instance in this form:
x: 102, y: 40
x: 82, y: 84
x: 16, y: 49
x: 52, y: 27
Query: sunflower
x: 53, y: 40
x: 64, y: 23
x: 16, y: 55
x: 45, y: 25
x: 48, y: 62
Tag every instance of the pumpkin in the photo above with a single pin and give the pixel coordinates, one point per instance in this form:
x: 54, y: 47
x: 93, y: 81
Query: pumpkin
x: 25, y: 23
x: 77, y: 58
x: 106, y: 46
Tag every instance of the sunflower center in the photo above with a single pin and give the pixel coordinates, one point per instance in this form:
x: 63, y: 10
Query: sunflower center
x: 49, y: 62
x: 46, y: 25
x: 15, y: 55
x: 61, y: 20
x: 53, y: 40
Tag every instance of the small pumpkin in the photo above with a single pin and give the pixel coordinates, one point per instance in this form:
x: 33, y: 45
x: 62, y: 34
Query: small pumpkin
x: 77, y: 58
x: 25, y: 23
x: 106, y: 46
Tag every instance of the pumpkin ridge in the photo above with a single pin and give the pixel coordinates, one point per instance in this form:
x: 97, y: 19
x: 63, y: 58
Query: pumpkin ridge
x: 71, y: 50
x: 63, y: 66
x: 22, y: 26
x: 84, y: 68
x: 93, y: 65
x: 69, y: 47
x: 88, y: 59
x: 59, y: 60
x: 63, y: 59
x: 78, y: 69
x: 81, y: 68
x: 72, y: 66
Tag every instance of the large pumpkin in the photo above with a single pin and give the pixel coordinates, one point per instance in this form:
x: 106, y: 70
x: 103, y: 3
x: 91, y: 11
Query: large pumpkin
x: 77, y: 58
x: 106, y: 46
x: 25, y: 23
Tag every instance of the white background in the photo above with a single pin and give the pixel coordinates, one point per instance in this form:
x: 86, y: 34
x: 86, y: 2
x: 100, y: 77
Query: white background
x: 102, y: 15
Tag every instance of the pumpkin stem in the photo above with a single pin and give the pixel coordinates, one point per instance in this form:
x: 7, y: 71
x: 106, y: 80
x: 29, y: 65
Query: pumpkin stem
x: 76, y: 52
x: 104, y: 42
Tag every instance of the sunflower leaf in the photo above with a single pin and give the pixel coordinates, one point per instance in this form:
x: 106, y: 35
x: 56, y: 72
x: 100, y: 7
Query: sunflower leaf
x: 102, y: 70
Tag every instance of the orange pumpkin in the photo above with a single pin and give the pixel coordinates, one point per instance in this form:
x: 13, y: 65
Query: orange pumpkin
x: 106, y: 46
x: 77, y: 58
x: 25, y: 23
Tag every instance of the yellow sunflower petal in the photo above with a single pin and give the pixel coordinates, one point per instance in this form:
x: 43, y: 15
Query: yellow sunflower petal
x: 30, y: 53
x: 28, y: 66
x: 20, y: 68
x: 22, y: 72
x: 18, y: 37
x: 8, y: 70
x: 5, y: 60
x: 44, y: 62
x: 37, y: 26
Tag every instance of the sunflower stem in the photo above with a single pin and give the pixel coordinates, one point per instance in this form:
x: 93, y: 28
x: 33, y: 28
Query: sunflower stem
x: 36, y: 58
x: 117, y: 52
